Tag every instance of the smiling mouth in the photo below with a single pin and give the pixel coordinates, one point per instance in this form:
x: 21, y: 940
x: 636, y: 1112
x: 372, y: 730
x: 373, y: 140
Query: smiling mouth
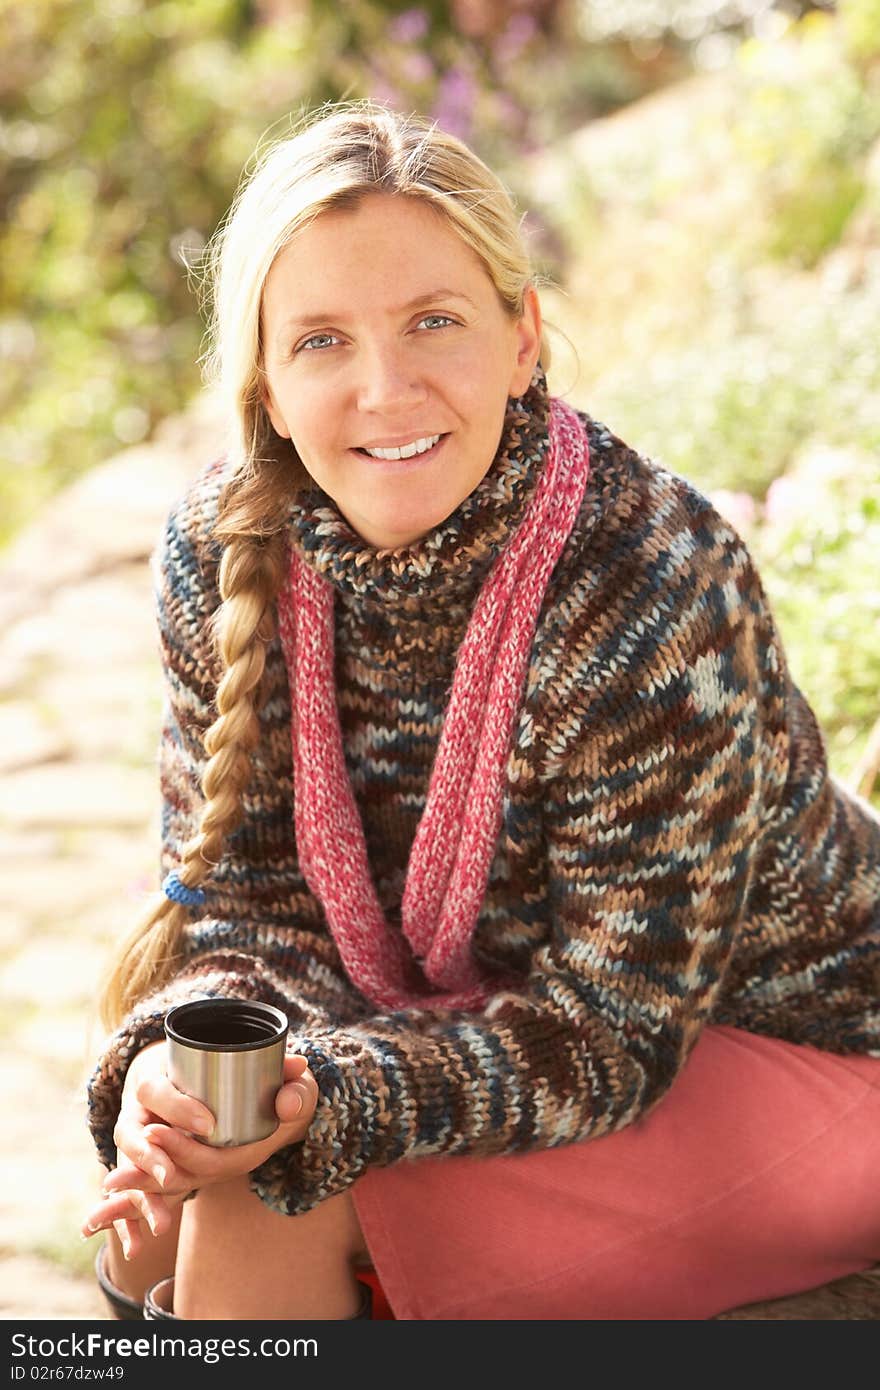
x: 418, y: 449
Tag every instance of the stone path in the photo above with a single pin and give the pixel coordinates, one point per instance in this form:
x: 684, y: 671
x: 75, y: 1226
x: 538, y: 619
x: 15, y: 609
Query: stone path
x: 79, y: 717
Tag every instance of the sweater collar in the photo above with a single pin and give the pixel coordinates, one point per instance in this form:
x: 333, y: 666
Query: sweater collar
x: 450, y: 563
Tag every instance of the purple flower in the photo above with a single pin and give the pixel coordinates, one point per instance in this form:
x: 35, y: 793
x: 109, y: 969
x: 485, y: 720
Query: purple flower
x: 408, y: 27
x: 519, y: 32
x: 454, y: 107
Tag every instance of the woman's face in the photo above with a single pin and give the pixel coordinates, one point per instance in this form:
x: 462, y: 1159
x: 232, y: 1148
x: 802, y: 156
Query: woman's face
x: 381, y: 329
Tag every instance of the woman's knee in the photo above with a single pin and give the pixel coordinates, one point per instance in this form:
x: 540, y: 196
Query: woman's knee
x: 232, y: 1214
x: 237, y: 1257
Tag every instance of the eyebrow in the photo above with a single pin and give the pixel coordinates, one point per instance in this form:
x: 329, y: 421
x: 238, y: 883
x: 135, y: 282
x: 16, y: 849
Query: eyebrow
x: 316, y: 320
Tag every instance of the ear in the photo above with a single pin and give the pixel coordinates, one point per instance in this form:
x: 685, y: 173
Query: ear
x: 528, y: 343
x: 271, y: 408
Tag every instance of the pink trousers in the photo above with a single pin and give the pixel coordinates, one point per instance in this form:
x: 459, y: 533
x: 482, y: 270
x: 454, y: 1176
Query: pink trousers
x: 757, y: 1175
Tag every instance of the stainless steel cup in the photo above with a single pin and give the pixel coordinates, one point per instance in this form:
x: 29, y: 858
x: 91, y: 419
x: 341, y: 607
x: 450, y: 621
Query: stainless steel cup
x: 229, y: 1054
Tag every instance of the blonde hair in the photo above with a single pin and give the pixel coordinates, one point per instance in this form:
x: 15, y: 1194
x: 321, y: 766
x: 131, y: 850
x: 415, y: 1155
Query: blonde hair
x: 331, y: 162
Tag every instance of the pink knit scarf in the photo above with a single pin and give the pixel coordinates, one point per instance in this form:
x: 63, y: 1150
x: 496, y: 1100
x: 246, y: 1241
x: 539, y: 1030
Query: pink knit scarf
x: 431, y: 963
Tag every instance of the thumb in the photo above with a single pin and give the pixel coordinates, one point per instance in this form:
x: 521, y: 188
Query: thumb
x: 290, y: 1101
x: 294, y: 1065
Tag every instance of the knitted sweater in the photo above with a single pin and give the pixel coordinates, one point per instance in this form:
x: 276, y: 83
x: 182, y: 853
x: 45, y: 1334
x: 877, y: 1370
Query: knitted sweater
x: 673, y: 849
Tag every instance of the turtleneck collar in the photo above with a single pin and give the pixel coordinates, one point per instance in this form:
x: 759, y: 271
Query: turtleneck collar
x: 450, y: 563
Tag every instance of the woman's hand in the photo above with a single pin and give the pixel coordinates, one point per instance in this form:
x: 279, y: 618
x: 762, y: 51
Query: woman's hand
x: 160, y: 1163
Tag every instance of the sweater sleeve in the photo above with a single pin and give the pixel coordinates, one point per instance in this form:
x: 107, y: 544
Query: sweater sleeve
x: 664, y: 754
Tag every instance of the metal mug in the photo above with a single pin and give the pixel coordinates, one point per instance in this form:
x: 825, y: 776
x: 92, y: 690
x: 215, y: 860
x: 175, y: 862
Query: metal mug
x: 229, y: 1054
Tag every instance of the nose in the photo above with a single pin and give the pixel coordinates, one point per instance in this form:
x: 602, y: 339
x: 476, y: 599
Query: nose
x: 389, y: 382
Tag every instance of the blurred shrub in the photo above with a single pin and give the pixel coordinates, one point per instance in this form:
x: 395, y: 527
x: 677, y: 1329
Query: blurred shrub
x: 817, y: 553
x: 861, y: 26
x: 734, y: 412
x: 793, y: 418
x: 122, y: 132
x: 123, y: 129
x: 810, y: 114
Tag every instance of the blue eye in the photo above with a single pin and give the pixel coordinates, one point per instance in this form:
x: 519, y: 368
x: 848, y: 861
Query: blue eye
x: 307, y: 345
x: 314, y: 338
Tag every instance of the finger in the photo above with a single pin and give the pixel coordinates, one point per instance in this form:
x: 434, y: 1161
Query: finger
x: 208, y: 1164
x: 126, y: 1178
x: 202, y: 1162
x: 289, y: 1102
x: 154, y: 1210
x: 299, y: 1074
x: 134, y: 1206
x: 160, y: 1096
x: 129, y: 1238
x: 134, y: 1141
x: 114, y: 1211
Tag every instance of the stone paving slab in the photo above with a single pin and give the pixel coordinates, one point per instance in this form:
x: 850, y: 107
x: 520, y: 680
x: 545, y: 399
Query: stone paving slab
x: 80, y: 704
x: 80, y: 794
x: 31, y: 1287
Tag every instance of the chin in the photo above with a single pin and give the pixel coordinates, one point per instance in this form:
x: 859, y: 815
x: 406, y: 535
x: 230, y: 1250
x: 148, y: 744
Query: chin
x: 388, y: 538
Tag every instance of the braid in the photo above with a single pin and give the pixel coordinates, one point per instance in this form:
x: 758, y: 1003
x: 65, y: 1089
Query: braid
x: 250, y: 576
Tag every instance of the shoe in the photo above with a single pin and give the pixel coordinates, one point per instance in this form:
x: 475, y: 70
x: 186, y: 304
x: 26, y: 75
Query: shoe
x: 159, y: 1302
x: 122, y: 1307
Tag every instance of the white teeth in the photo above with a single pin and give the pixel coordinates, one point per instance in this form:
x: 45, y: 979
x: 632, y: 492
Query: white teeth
x: 418, y: 446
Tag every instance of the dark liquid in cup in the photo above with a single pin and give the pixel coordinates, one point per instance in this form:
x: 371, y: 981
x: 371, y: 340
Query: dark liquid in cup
x: 223, y: 1023
x: 222, y: 1032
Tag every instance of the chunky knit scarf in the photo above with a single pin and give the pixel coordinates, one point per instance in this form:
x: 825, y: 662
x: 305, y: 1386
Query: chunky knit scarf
x: 430, y: 962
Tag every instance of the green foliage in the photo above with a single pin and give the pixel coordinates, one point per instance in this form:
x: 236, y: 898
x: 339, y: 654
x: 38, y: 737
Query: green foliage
x: 120, y: 130
x: 810, y: 115
x: 861, y: 26
x: 733, y: 413
x: 817, y: 554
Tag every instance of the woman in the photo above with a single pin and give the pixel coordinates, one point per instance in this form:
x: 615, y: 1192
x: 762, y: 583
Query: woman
x: 496, y: 781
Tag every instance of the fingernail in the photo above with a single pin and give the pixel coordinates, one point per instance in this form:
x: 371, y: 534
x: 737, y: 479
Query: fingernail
x: 126, y: 1246
x: 94, y: 1226
x: 151, y: 1222
x: 203, y: 1125
x: 160, y: 1174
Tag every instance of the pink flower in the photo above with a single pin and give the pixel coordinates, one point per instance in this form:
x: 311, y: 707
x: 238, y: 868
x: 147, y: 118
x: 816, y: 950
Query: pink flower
x: 417, y: 67
x: 739, y: 508
x: 782, y: 502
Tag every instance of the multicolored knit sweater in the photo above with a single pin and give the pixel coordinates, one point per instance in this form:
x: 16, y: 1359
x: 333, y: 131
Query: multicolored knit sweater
x: 673, y: 849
